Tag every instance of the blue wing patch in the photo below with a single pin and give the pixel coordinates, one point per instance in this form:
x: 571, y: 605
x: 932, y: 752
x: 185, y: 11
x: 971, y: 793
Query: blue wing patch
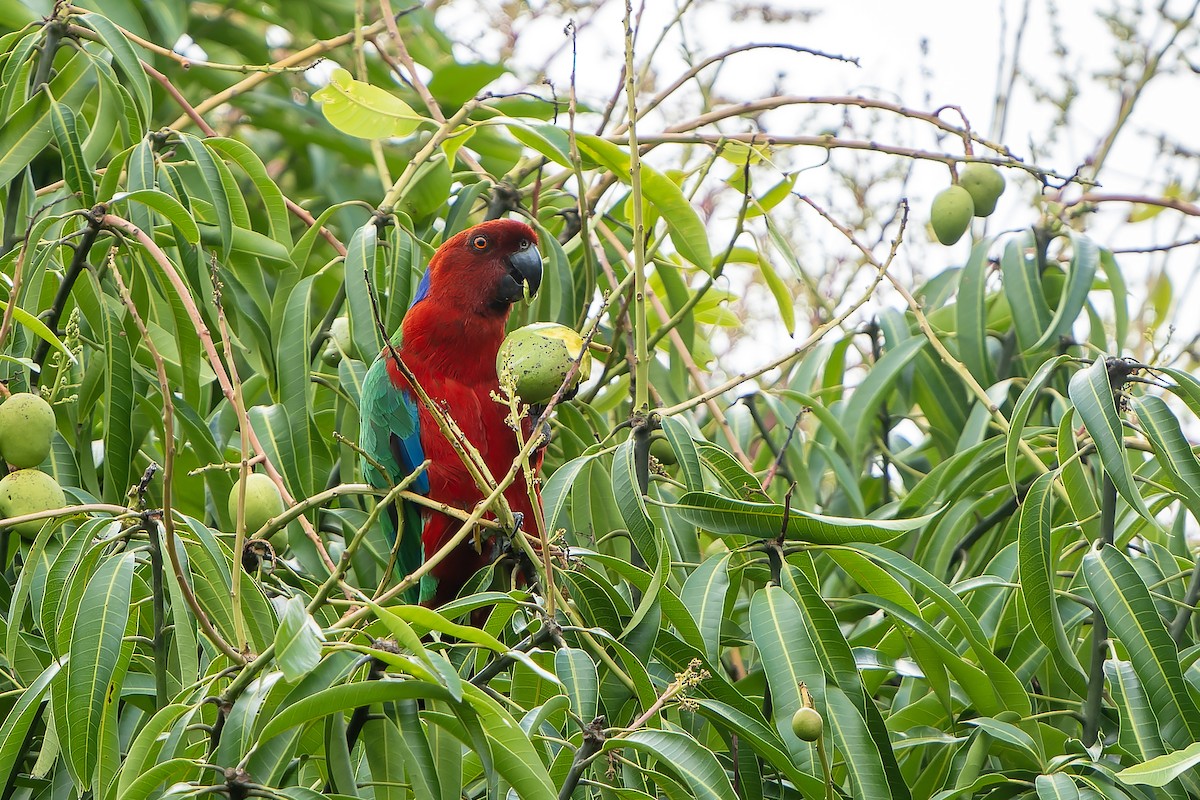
x: 422, y: 289
x: 390, y: 430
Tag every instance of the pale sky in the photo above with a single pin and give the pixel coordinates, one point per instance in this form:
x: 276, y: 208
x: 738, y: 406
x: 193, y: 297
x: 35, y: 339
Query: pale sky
x: 922, y: 54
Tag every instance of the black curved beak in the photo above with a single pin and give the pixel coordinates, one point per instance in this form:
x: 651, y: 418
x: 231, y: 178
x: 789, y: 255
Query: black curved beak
x: 525, y: 267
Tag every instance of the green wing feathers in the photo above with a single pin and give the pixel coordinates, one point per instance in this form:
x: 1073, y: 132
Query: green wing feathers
x: 390, y: 435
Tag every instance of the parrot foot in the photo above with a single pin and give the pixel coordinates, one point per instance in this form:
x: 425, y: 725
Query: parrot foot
x: 505, y: 549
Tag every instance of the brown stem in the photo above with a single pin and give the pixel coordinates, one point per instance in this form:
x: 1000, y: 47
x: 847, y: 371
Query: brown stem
x: 313, y: 51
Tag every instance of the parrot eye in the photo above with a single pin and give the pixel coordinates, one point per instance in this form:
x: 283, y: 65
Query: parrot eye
x: 479, y: 242
x: 524, y: 244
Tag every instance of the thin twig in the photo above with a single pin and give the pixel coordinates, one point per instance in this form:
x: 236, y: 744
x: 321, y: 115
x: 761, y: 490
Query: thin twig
x: 309, y: 53
x: 1173, y: 203
x: 835, y: 143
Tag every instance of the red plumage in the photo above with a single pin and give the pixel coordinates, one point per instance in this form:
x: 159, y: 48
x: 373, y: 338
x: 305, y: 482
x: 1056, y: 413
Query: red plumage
x: 450, y: 340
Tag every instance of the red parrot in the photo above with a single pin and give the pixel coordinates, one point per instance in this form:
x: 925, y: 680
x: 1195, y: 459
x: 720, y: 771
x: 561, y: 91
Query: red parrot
x: 448, y: 339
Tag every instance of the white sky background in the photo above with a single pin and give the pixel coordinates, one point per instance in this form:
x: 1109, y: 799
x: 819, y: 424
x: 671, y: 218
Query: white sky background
x: 964, y: 44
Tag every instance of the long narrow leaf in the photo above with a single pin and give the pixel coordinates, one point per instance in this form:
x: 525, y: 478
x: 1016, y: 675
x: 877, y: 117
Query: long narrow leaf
x: 1092, y: 393
x: 724, y: 515
x: 1132, y: 618
x: 95, y: 654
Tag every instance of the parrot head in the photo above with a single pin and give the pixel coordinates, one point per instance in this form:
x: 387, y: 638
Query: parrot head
x: 486, y: 268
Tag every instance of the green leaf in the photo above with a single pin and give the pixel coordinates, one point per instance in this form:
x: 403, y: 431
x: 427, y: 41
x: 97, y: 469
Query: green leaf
x: 548, y: 140
x: 366, y: 111
x: 165, y: 205
x: 1139, y: 732
x: 788, y: 659
x: 688, y: 232
x: 360, y: 263
x: 20, y: 717
x: 297, y: 641
x: 242, y: 720
x: 454, y: 84
x: 1174, y: 453
x: 723, y: 515
x: 672, y: 606
x: 26, y: 133
x: 96, y: 653
x: 384, y: 747
x: 704, y: 594
x: 38, y: 328
x: 577, y: 672
x: 125, y: 58
x: 772, y: 197
x: 1021, y: 412
x: 971, y: 314
x: 781, y: 293
x: 684, y: 757
x: 1120, y: 295
x: 294, y: 375
x: 432, y: 620
x: 144, y: 749
x: 1076, y: 478
x: 1080, y: 276
x: 686, y: 452
x: 1092, y: 393
x: 420, y: 764
x: 272, y: 197
x: 341, y: 767
x: 1186, y: 387
x: 1161, y: 770
x: 514, y: 756
x: 249, y: 242
x: 23, y: 136
x: 853, y: 740
x: 1010, y: 734
x: 215, y: 189
x: 404, y: 634
x: 119, y: 445
x: 861, y: 413
x: 632, y: 504
x: 1132, y: 618
x: 110, y: 110
x: 1007, y: 686
x: 839, y: 662
x: 1023, y: 288
x: 557, y: 490
x: 730, y: 472
x: 168, y: 772
x: 754, y: 732
x: 1037, y: 569
x: 302, y: 251
x: 1057, y: 786
x: 649, y: 599
x: 347, y: 696
x: 76, y: 173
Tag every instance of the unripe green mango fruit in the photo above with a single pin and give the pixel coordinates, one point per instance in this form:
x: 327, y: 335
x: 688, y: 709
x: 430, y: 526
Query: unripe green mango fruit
x: 26, y: 430
x: 807, y: 724
x: 28, y: 491
x: 263, y: 501
x: 985, y: 184
x: 534, y: 360
x: 951, y: 214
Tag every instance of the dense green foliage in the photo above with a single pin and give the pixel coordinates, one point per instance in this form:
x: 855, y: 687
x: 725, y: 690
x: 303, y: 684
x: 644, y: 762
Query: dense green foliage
x: 958, y: 532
